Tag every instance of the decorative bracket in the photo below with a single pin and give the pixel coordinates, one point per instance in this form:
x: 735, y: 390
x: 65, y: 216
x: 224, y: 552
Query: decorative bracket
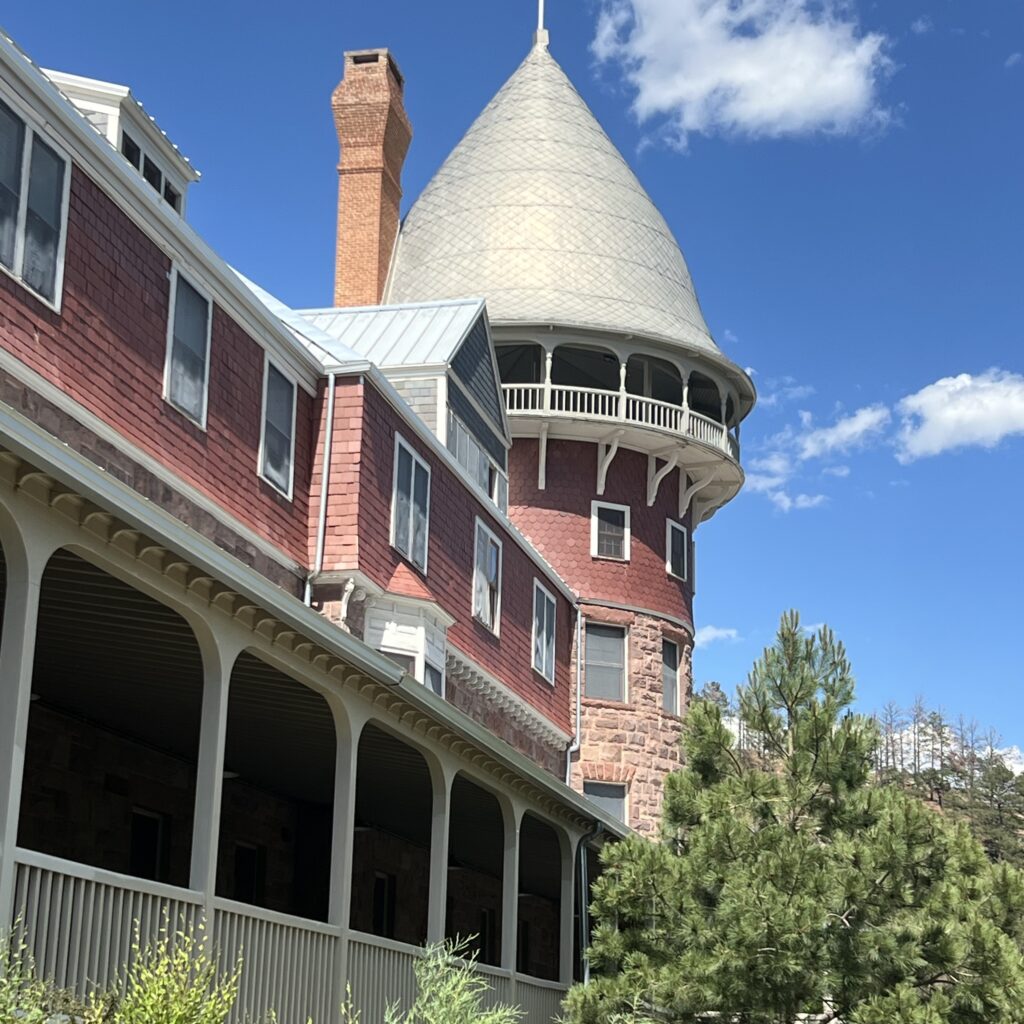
x: 654, y: 477
x: 686, y: 494
x: 605, y: 453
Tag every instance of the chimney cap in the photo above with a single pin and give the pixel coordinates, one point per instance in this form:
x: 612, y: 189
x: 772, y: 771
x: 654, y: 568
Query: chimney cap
x: 377, y: 56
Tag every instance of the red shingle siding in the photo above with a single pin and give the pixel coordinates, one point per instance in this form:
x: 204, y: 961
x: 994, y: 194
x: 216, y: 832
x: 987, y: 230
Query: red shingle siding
x: 557, y: 521
x: 362, y: 473
x: 106, y: 350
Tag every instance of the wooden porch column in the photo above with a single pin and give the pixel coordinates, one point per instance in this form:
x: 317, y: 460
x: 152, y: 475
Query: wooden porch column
x: 441, y: 779
x: 567, y: 908
x: 513, y: 817
x: 218, y: 660
x: 17, y: 653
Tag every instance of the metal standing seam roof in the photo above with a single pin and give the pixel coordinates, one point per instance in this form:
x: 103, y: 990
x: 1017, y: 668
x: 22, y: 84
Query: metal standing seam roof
x: 424, y: 334
x: 537, y: 211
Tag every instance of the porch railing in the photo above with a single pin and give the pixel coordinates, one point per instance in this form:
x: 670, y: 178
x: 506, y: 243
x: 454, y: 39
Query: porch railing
x: 82, y: 924
x: 288, y: 963
x: 637, y: 410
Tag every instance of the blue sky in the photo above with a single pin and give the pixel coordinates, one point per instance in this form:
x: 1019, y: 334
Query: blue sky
x: 849, y: 192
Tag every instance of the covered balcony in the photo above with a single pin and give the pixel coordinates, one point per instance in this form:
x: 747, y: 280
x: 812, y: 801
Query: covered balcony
x: 572, y: 383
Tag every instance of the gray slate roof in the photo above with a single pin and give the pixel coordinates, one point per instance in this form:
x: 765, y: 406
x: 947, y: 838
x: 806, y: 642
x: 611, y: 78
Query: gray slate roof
x: 537, y: 211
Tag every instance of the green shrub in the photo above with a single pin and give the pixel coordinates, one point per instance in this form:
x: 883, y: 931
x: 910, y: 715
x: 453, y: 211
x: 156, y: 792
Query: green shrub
x: 449, y: 991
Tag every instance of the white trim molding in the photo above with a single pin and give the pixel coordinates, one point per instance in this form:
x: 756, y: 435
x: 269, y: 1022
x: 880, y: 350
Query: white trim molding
x: 594, y: 506
x: 534, y: 723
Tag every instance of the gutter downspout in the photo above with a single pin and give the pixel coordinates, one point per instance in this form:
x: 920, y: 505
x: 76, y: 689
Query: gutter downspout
x: 574, y: 747
x: 325, y: 479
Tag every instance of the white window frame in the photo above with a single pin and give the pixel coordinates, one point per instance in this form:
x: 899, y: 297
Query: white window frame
x: 204, y: 294
x: 625, y: 795
x: 267, y: 364
x: 144, y: 154
x: 417, y: 459
x: 594, y: 506
x: 626, y: 640
x: 495, y: 627
x: 670, y: 525
x: 679, y: 667
x: 548, y: 597
x: 32, y: 129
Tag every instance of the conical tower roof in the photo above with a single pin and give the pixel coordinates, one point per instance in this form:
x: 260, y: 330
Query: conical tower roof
x: 536, y: 211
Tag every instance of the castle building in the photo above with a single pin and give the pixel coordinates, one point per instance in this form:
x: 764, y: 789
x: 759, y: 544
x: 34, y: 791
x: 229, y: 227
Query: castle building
x: 354, y: 628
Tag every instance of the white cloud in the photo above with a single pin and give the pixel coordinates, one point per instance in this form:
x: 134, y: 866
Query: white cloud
x: 1013, y: 60
x: 839, y: 471
x: 709, y: 634
x: 730, y: 336
x: 783, y: 389
x: 786, y: 503
x: 849, y: 432
x: 962, y: 411
x: 759, y: 68
x: 922, y: 26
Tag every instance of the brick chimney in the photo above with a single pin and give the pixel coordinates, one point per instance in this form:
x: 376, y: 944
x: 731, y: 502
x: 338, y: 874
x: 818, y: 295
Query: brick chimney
x: 374, y: 134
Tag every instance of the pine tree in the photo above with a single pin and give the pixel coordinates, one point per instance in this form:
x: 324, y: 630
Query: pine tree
x: 794, y: 883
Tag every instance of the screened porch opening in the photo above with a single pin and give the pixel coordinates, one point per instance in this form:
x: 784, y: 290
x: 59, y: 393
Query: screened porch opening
x: 540, y: 900
x: 277, y: 803
x: 476, y: 856
x: 391, y: 845
x: 113, y: 728
x: 521, y: 364
x: 585, y: 368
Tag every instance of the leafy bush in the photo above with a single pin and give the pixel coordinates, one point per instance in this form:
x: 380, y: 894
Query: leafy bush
x: 449, y: 991
x: 24, y: 997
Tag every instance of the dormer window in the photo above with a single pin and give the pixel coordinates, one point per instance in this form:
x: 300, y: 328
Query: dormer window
x: 150, y: 171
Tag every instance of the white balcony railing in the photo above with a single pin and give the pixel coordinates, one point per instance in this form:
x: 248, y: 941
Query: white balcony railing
x: 579, y: 403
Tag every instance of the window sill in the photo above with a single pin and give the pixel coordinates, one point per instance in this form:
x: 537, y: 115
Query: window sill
x: 540, y: 675
x: 287, y: 495
x: 610, y: 558
x: 53, y: 305
x: 493, y: 630
x: 605, y: 702
x: 420, y: 569
x: 200, y: 424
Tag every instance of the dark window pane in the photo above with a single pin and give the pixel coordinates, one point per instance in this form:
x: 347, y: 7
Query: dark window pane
x: 152, y: 174
x: 433, y: 679
x: 403, y: 500
x: 677, y: 551
x: 670, y: 676
x: 187, y: 384
x: 605, y: 660
x: 611, y: 532
x: 277, y: 429
x: 131, y: 151
x: 384, y: 905
x: 420, y: 499
x: 610, y: 797
x: 12, y: 145
x: 42, y: 219
x: 250, y: 873
x: 173, y: 197
x: 146, y: 850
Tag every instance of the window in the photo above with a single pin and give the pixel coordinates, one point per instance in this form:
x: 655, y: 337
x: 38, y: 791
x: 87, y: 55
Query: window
x: 250, y: 873
x: 188, y: 350
x: 676, y: 546
x: 610, y: 797
x: 148, y: 845
x: 605, y: 662
x: 384, y: 905
x: 410, y: 506
x: 433, y: 678
x: 487, y: 578
x: 277, y: 447
x: 670, y: 677
x: 150, y: 171
x: 34, y: 183
x: 609, y: 531
x: 487, y: 936
x: 543, y: 632
x: 484, y: 471
x: 406, y: 662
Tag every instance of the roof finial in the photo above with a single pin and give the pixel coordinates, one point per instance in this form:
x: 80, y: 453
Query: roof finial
x: 540, y: 37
